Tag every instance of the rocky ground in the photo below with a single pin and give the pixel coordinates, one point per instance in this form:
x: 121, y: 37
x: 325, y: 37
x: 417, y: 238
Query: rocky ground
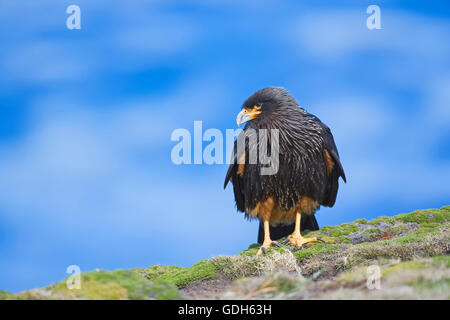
x: 400, y: 257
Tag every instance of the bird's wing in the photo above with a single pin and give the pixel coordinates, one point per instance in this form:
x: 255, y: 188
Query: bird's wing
x: 334, y: 167
x: 229, y: 173
x: 233, y: 166
x: 235, y: 175
x: 330, y: 146
x: 238, y: 159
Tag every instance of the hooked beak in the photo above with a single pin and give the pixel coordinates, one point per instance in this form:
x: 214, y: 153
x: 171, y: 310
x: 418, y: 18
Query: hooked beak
x: 242, y: 117
x: 248, y: 114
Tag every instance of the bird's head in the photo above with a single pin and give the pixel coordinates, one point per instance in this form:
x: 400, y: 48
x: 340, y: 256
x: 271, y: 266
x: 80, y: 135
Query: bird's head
x: 263, y: 102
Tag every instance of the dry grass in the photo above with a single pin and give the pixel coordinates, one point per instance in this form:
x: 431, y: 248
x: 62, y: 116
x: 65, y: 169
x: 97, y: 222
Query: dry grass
x: 406, y: 264
x: 235, y: 267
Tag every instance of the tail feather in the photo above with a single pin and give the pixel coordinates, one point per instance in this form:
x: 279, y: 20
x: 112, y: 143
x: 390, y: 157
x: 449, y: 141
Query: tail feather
x: 308, y: 222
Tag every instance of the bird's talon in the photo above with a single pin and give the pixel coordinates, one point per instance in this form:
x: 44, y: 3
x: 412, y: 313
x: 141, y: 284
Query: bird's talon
x: 301, y: 242
x: 276, y: 244
x: 264, y: 250
x: 321, y: 240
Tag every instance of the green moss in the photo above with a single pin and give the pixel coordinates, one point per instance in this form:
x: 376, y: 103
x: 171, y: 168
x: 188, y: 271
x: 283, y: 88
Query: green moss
x: 398, y: 229
x: 340, y: 233
x: 424, y: 229
x: 442, y: 285
x: 324, y: 233
x: 425, y: 216
x: 5, y: 295
x: 178, y: 276
x: 371, y: 231
x: 253, y: 250
x: 116, y: 285
x: 381, y: 219
x: 442, y: 260
x: 156, y: 271
x: 402, y: 266
x: 349, y: 227
x: 426, y: 237
x: 92, y: 290
x: 38, y: 294
x: 353, y: 276
x: 445, y: 212
x: 430, y: 225
x: 315, y: 249
x: 163, y: 290
x: 412, y: 237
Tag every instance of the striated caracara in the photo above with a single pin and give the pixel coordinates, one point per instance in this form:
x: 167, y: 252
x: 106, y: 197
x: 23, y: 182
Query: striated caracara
x: 306, y: 173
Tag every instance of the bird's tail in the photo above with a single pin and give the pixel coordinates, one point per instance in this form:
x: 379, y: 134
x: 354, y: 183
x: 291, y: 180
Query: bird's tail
x: 308, y: 222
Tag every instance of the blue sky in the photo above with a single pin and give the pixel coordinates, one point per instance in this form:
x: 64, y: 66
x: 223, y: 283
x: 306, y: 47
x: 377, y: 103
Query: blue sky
x: 86, y: 117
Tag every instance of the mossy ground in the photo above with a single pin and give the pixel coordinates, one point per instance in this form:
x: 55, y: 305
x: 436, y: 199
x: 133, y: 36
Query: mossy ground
x: 104, y: 285
x: 411, y: 250
x: 178, y: 276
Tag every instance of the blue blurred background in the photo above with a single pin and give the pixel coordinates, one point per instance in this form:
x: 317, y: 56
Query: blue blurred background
x: 86, y: 117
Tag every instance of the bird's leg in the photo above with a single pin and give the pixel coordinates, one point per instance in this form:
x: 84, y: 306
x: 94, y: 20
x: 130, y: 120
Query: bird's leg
x: 267, y: 243
x: 296, y: 238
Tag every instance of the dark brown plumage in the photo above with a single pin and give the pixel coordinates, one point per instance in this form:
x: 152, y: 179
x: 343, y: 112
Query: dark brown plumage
x: 309, y: 165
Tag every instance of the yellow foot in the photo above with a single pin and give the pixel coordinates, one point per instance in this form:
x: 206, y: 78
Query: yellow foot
x: 266, y: 245
x: 299, y: 241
